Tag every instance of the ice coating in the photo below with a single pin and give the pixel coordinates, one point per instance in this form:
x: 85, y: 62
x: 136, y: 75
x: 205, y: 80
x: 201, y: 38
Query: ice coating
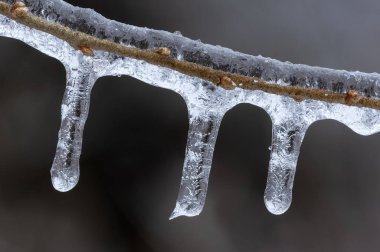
x: 74, y: 111
x: 206, y: 102
x: 206, y: 107
x: 216, y: 57
x: 290, y: 122
x: 43, y: 42
x: 286, y: 143
x: 203, y: 131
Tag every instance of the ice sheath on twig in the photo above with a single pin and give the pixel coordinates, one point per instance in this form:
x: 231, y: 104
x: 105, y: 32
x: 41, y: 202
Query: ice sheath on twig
x: 293, y: 95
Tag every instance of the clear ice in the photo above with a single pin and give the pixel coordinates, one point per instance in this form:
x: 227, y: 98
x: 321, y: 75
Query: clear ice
x: 286, y: 143
x: 203, y: 131
x: 206, y: 102
x: 74, y: 111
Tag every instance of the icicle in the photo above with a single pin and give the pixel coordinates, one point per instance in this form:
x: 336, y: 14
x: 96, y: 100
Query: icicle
x: 290, y: 118
x: 286, y: 143
x: 203, y: 131
x: 75, y: 107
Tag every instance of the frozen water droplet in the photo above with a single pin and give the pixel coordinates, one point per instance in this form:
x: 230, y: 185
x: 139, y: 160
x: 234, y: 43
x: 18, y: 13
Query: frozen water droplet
x: 286, y: 143
x: 75, y: 107
x: 178, y: 33
x: 203, y: 131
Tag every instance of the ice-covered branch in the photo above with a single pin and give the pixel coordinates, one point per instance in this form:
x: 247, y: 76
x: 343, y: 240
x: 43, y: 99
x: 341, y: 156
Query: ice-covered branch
x: 211, y: 79
x: 87, y: 30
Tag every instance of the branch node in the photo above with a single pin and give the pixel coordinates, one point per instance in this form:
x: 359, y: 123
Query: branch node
x: 18, y: 10
x: 164, y: 51
x: 86, y: 50
x: 352, y: 96
x: 227, y: 79
x: 227, y: 82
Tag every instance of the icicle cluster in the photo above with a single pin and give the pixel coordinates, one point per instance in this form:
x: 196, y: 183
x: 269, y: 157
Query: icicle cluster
x: 206, y: 102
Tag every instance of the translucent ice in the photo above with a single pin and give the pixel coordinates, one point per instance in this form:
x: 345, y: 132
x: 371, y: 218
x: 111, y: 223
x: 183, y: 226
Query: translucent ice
x: 74, y: 110
x: 203, y: 131
x: 286, y: 143
x: 206, y: 102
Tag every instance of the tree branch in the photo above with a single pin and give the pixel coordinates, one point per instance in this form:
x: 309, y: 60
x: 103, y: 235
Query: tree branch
x: 86, y: 30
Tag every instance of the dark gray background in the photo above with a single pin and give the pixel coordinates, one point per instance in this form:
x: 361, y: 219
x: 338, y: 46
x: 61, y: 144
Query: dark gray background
x: 135, y: 139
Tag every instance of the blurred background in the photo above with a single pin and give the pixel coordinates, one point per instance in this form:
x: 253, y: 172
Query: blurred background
x: 135, y: 138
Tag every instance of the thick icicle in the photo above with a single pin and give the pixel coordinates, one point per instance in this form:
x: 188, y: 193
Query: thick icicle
x: 75, y: 107
x: 290, y: 118
x: 286, y: 143
x: 203, y: 131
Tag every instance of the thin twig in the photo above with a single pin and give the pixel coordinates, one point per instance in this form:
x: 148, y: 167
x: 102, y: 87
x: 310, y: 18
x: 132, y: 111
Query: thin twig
x: 87, y: 43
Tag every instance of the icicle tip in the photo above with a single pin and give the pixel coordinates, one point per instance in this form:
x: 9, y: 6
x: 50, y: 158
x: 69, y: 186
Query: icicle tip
x: 181, y: 210
x: 63, y: 183
x: 276, y: 208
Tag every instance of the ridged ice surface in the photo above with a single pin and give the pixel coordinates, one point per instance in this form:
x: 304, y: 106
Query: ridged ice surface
x: 206, y: 103
x: 74, y: 110
x: 203, y: 131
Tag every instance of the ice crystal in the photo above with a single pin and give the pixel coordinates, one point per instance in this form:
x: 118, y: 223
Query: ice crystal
x: 206, y: 102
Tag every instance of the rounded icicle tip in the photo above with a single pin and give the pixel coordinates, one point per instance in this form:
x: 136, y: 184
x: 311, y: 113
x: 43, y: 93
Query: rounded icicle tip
x: 63, y: 183
x: 277, y: 206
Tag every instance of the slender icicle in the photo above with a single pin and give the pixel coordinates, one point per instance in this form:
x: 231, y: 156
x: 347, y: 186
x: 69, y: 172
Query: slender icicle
x: 286, y: 143
x: 203, y: 131
x: 75, y: 107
